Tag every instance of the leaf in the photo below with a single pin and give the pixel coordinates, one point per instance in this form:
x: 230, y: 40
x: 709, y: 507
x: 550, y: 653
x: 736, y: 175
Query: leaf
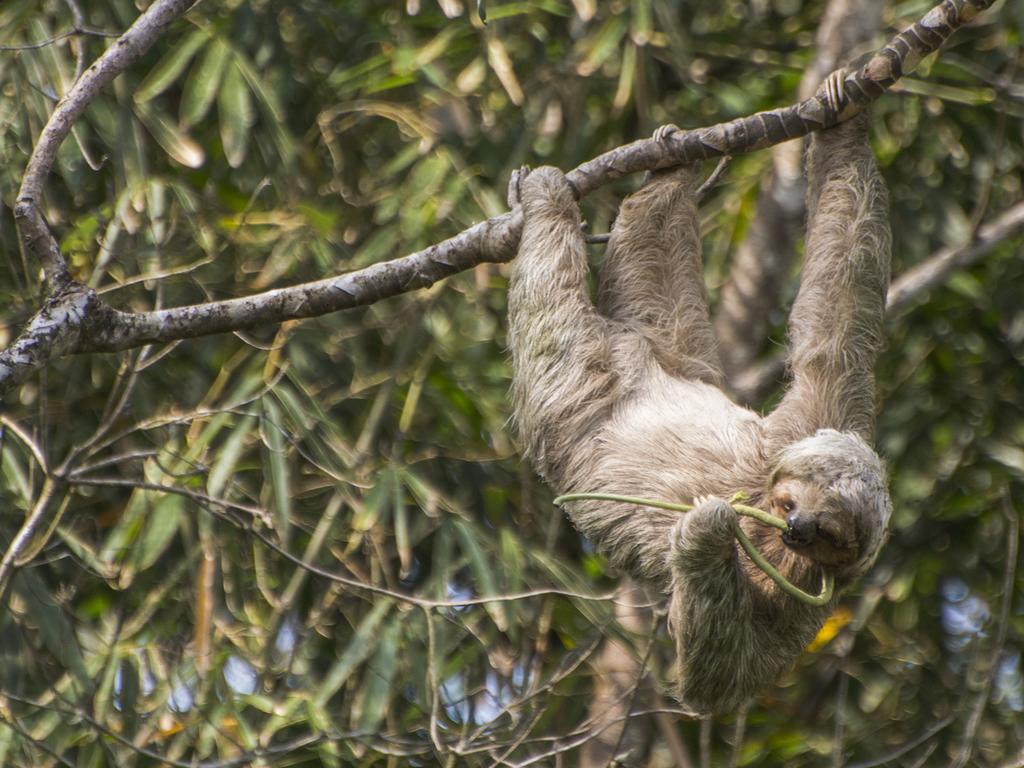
x: 203, y: 82
x: 170, y: 67
x: 402, y: 543
x: 176, y: 142
x: 162, y: 521
x: 376, y: 693
x: 483, y: 571
x: 236, y: 115
x: 358, y: 650
x: 56, y: 631
x: 376, y: 501
x: 280, y: 478
x: 228, y: 456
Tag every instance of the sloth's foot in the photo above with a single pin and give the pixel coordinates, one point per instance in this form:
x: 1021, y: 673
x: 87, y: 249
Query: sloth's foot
x: 515, y: 184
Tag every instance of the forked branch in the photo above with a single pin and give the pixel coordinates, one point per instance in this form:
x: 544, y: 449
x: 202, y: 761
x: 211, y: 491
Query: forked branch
x: 75, y: 321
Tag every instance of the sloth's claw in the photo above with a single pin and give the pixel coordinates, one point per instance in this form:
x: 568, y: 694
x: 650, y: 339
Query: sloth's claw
x: 515, y: 185
x: 833, y: 92
x: 664, y: 133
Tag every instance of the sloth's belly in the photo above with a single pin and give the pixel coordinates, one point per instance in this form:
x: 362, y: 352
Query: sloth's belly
x: 684, y: 439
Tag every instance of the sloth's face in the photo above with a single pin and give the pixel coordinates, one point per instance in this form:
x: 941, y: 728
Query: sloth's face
x: 820, y: 527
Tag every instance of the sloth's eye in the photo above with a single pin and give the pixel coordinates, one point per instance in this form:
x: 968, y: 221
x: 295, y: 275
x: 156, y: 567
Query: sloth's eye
x: 788, y: 505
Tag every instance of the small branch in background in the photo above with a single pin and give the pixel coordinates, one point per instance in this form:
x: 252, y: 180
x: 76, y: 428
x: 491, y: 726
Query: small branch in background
x: 706, y: 726
x: 716, y: 176
x: 902, y: 749
x: 619, y: 676
x: 739, y: 732
x: 75, y: 31
x: 753, y: 383
x: 79, y: 20
x: 839, y: 734
x: 931, y: 272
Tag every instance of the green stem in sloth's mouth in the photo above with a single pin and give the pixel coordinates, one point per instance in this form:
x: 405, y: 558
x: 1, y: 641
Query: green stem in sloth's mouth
x: 828, y: 582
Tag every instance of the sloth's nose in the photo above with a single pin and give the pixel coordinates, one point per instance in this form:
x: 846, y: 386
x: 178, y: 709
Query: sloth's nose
x: 802, y: 528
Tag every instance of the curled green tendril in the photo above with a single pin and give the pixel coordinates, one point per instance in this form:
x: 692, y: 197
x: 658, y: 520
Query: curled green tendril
x: 828, y: 582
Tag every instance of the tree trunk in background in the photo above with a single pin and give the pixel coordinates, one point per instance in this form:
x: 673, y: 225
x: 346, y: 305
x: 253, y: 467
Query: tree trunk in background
x: 617, y: 669
x: 761, y: 266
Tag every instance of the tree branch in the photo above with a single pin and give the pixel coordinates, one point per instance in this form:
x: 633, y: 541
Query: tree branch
x: 128, y: 48
x: 751, y: 384
x: 101, y: 328
x: 922, y: 277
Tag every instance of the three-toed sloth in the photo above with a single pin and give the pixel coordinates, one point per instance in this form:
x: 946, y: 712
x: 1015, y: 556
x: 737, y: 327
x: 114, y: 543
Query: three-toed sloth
x: 624, y: 398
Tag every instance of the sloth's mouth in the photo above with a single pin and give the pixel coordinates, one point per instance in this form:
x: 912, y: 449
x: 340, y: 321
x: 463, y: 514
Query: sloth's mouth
x: 797, y: 539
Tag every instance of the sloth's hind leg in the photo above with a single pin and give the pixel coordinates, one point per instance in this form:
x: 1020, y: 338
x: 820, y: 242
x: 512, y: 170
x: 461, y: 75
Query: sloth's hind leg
x: 652, y: 279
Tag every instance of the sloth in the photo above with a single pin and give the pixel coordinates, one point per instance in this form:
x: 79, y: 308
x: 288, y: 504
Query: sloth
x: 625, y: 398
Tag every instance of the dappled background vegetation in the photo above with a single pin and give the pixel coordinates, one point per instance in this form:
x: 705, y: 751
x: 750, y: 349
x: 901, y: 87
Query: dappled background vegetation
x: 265, y: 144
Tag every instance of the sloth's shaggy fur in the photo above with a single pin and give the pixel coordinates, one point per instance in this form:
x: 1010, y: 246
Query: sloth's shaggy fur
x: 624, y: 399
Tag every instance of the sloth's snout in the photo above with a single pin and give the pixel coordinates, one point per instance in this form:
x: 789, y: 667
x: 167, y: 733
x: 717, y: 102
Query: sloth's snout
x: 802, y: 531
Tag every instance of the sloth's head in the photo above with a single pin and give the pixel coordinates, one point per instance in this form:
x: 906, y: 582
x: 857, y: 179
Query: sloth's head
x: 831, y: 490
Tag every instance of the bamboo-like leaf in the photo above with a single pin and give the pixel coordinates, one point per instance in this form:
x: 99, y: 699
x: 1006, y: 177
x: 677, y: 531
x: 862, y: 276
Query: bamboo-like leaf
x: 161, y: 524
x: 641, y: 21
x: 483, y: 571
x: 377, y: 502
x: 228, y: 456
x: 203, y: 83
x: 170, y: 67
x: 176, y: 142
x: 280, y: 476
x: 402, y: 543
x: 599, y: 47
x: 377, y: 692
x: 235, y: 115
x: 501, y: 63
x: 359, y: 648
x: 54, y: 627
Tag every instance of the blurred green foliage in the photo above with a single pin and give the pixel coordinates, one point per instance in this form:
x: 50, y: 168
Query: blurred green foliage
x: 263, y: 144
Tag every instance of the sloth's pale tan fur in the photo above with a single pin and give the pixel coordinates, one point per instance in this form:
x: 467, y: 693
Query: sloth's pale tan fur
x: 623, y: 399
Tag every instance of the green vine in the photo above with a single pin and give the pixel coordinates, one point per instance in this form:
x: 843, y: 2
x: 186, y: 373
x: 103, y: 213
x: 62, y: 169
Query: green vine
x: 827, y: 579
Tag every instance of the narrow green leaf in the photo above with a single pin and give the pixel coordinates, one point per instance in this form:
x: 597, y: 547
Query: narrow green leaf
x: 376, y: 693
x: 483, y: 571
x: 161, y: 524
x: 56, y: 631
x: 360, y: 647
x: 203, y: 82
x: 280, y: 477
x: 377, y: 501
x: 402, y: 542
x: 175, y: 142
x: 236, y: 115
x: 170, y: 67
x: 228, y: 455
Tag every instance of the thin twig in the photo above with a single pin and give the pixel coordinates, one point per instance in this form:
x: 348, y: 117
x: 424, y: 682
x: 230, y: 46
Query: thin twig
x: 902, y: 749
x: 716, y: 176
x: 212, y: 503
x: 73, y: 32
x: 706, y: 725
